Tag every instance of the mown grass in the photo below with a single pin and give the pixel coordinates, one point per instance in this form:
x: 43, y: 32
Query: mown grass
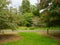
x: 38, y: 28
x: 33, y: 39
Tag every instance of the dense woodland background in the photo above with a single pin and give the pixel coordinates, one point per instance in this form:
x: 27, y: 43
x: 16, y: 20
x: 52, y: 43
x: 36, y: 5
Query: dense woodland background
x: 46, y: 13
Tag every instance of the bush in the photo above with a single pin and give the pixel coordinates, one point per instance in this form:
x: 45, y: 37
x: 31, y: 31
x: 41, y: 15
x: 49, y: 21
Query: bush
x: 26, y: 19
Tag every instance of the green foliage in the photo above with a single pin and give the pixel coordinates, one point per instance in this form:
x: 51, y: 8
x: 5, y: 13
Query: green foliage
x: 7, y: 19
x: 3, y: 15
x: 52, y: 9
x: 30, y: 14
x: 54, y: 13
x: 27, y: 19
x: 43, y: 19
x: 25, y: 6
x: 3, y: 4
x: 43, y: 4
x: 14, y: 21
x: 34, y: 10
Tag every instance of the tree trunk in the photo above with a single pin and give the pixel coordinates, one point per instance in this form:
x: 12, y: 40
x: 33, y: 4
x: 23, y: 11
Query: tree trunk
x: 47, y: 31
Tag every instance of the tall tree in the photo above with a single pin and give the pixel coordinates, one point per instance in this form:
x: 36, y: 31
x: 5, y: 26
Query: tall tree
x: 25, y: 6
x: 7, y: 19
x: 3, y: 10
x: 55, y: 15
x: 27, y: 19
x: 43, y: 4
x: 34, y: 10
x: 53, y: 9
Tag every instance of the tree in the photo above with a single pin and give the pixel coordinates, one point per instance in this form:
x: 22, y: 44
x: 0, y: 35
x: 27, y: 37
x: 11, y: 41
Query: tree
x: 25, y: 6
x: 7, y: 19
x: 3, y: 10
x: 43, y: 4
x: 27, y: 19
x: 53, y: 9
x: 34, y: 10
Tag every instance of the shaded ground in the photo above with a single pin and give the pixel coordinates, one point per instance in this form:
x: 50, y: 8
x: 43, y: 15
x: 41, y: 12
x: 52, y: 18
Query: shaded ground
x: 55, y: 35
x: 8, y: 37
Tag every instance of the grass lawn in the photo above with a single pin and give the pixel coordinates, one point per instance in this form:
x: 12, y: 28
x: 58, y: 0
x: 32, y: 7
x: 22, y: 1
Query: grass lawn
x: 38, y: 28
x: 28, y: 38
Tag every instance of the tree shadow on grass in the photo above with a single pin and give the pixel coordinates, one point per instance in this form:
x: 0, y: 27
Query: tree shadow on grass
x: 55, y: 35
x: 8, y: 38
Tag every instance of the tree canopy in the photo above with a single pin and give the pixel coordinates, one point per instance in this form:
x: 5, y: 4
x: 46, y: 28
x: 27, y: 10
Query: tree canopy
x: 29, y: 15
x: 25, y: 6
x: 7, y: 18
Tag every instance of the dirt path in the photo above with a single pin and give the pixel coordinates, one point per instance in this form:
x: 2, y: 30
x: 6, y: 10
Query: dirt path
x: 17, y: 31
x: 41, y: 32
x: 7, y: 31
x: 54, y: 33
